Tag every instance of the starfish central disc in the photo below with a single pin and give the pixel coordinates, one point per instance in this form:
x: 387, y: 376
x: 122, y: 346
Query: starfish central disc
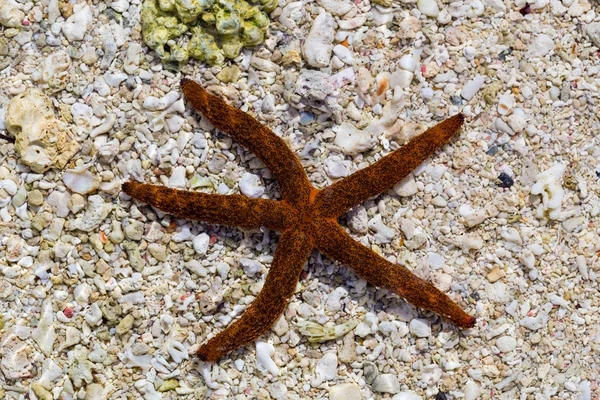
x: 306, y: 218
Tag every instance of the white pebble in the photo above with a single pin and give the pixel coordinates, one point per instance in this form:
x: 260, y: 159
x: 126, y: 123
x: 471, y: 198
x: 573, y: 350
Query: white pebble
x: 77, y: 25
x: 472, y: 87
x: 435, y: 260
x: 386, y: 383
x: 471, y: 390
x: 407, y: 395
x: 401, y: 78
x: 408, y: 63
x: 420, y: 327
x: 251, y: 186
x: 201, y: 243
x: 343, y: 53
x: 319, y: 42
x: 251, y: 267
x: 428, y: 7
x: 177, y: 179
x: 81, y: 181
x: 506, y: 343
x: 326, y: 369
x: 540, y: 46
x: 345, y: 391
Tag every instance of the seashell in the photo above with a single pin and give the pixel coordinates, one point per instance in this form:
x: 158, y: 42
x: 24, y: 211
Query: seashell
x: 81, y: 181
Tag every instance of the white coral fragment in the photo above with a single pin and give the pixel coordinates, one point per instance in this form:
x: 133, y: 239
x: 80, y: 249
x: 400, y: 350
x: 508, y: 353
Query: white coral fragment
x: 44, y: 335
x: 548, y: 185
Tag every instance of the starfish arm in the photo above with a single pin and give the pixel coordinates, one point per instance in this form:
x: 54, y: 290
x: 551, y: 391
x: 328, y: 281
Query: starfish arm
x: 338, y: 198
x: 254, y: 136
x: 292, y: 252
x: 334, y: 242
x: 232, y: 210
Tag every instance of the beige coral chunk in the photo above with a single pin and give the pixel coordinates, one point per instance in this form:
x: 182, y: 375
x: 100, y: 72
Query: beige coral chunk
x: 41, y: 140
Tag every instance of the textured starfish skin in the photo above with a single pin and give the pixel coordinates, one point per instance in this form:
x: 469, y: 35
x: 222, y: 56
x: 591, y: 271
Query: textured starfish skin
x: 306, y: 217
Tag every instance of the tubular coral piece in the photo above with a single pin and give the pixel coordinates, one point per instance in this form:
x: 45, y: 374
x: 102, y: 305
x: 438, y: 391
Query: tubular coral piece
x: 307, y: 218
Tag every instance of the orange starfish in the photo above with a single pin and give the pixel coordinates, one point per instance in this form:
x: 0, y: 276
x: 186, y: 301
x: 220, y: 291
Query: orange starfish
x: 306, y: 217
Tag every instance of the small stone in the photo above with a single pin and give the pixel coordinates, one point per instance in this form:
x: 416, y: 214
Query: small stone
x: 251, y: 186
x: 41, y: 392
x: 125, y: 325
x: 370, y: 372
x: 505, y: 180
x: 540, y: 46
x: 406, y: 188
x: 593, y: 32
x: 506, y: 343
x: 94, y: 391
x: 347, y: 351
x: 420, y: 327
x: 35, y: 198
x: 76, y: 203
x: 345, y: 391
x: 229, y: 74
x: 495, y: 274
x: 386, y: 383
x: 428, y: 7
x: 134, y: 230
x: 407, y: 395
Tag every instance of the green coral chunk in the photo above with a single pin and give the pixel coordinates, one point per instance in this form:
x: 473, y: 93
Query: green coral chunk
x: 203, y: 47
x: 219, y: 28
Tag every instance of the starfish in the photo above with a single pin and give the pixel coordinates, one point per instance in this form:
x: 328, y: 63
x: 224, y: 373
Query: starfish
x: 306, y: 217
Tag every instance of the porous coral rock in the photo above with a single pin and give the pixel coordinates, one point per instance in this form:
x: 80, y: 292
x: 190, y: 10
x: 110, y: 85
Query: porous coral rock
x: 41, y: 140
x: 219, y: 28
x: 10, y: 14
